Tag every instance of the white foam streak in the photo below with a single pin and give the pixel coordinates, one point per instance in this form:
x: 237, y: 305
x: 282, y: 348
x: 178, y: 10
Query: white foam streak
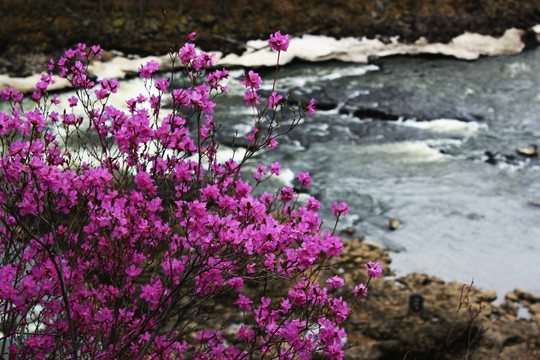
x: 226, y: 153
x: 449, y: 127
x: 334, y: 75
x: 412, y: 151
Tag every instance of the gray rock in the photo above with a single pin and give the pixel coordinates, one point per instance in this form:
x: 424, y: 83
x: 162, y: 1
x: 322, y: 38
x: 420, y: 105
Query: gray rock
x: 393, y: 223
x: 391, y: 104
x: 529, y: 150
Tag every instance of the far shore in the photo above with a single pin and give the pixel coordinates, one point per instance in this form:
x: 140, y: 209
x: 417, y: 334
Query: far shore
x: 311, y: 48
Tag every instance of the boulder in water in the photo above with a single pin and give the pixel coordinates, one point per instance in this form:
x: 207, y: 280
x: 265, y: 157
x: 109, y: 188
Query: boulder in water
x: 326, y: 98
x: 349, y: 231
x: 392, y: 103
x: 529, y: 150
x: 393, y: 223
x: 534, y: 202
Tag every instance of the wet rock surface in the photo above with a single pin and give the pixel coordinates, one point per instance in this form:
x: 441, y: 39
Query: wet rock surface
x: 326, y: 97
x: 389, y: 104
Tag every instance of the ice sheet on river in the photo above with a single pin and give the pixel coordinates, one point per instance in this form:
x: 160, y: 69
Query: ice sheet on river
x: 467, y: 46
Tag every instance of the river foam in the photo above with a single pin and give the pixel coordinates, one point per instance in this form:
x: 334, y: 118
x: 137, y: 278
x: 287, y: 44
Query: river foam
x: 448, y: 127
x: 411, y: 151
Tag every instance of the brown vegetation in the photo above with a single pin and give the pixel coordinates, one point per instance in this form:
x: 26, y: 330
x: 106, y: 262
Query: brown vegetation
x: 137, y: 26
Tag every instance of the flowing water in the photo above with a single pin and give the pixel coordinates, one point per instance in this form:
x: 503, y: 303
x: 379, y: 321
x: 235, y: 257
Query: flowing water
x: 461, y: 217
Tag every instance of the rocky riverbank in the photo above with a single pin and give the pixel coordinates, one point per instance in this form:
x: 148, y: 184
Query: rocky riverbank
x: 31, y: 34
x: 456, y: 319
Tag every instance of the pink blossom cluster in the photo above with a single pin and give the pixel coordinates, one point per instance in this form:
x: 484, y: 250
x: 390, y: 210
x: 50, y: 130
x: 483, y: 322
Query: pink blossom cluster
x: 279, y: 42
x: 118, y: 227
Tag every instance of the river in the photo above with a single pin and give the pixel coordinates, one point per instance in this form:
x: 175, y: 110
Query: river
x: 462, y: 218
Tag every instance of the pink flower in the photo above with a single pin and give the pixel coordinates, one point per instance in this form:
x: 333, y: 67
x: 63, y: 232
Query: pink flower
x: 336, y: 282
x: 251, y: 80
x: 286, y: 194
x: 311, y: 107
x: 145, y: 182
x: 253, y: 135
x: 215, y: 77
x: 237, y: 283
x: 285, y: 306
x: 152, y: 292
x: 251, y: 97
x: 341, y: 209
x: 279, y: 42
x: 261, y: 170
x: 340, y: 309
x: 110, y: 85
x: 243, y: 302
x: 206, y: 335
x: 360, y: 290
x: 251, y: 268
x: 187, y: 53
x: 147, y: 70
x: 203, y: 60
x: 96, y: 50
x: 73, y: 101
x: 333, y: 245
x: 103, y: 314
x: 272, y: 143
x: 304, y: 178
x: 274, y: 99
x: 245, y: 333
x: 374, y: 269
x: 100, y: 94
x: 223, y: 234
x: 313, y: 204
x: 133, y: 271
x: 275, y: 168
x: 162, y: 84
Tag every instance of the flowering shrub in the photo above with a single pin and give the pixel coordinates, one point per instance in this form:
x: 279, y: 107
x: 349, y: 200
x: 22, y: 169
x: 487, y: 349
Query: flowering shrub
x: 121, y: 233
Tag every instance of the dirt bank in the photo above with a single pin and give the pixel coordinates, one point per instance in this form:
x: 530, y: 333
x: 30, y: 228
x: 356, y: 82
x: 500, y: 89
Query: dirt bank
x: 33, y: 31
x: 457, y: 322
